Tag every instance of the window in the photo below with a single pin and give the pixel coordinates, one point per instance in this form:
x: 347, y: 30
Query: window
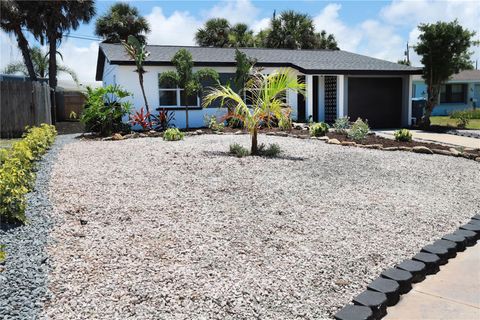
x: 172, y: 96
x: 453, y: 93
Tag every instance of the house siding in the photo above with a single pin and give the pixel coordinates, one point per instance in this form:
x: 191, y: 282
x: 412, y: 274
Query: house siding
x: 445, y: 109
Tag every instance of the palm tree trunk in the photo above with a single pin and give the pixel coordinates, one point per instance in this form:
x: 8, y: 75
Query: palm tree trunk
x: 254, y: 149
x: 52, y: 73
x: 186, y: 108
x: 23, y: 45
x: 140, y: 78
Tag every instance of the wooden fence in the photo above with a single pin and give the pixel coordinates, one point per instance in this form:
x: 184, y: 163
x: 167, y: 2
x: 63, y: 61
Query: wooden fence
x: 23, y: 103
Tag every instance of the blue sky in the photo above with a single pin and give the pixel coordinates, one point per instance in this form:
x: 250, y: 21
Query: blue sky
x: 376, y: 28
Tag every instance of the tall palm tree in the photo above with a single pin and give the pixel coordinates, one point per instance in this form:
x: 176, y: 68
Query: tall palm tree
x: 267, y: 94
x: 40, y: 65
x: 15, y: 16
x: 119, y: 22
x: 215, y: 33
x: 293, y: 30
x: 241, y: 36
x: 54, y: 19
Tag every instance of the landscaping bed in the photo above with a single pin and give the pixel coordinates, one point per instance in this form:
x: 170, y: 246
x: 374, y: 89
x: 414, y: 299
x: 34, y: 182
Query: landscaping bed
x: 156, y: 229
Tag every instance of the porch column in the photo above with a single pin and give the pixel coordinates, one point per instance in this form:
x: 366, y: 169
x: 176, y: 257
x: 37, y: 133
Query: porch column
x: 340, y: 96
x: 409, y: 102
x: 309, y: 96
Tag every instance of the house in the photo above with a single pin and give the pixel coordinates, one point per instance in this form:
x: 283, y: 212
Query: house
x: 461, y: 92
x: 338, y: 83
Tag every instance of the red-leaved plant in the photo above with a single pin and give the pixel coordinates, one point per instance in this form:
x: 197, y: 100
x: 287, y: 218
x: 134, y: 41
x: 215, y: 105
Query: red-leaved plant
x: 141, y: 118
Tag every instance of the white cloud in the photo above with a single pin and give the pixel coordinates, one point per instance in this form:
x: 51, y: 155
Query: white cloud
x: 234, y: 11
x: 409, y: 14
x: 347, y: 37
x: 82, y: 59
x: 177, y: 29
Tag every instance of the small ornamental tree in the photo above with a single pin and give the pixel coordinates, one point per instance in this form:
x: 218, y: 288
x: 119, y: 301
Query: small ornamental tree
x: 137, y: 51
x: 184, y: 77
x: 443, y: 47
x: 267, y: 94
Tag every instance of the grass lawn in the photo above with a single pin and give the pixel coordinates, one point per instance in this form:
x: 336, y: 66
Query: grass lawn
x: 449, y: 122
x: 6, y: 143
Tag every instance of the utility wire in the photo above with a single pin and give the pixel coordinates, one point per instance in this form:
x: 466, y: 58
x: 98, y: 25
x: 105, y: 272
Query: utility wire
x: 78, y: 36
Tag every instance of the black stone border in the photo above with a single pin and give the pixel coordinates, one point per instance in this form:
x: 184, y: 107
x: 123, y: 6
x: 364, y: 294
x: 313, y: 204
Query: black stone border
x: 385, y: 290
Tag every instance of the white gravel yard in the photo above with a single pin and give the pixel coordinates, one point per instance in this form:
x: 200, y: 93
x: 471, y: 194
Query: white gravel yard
x: 182, y: 230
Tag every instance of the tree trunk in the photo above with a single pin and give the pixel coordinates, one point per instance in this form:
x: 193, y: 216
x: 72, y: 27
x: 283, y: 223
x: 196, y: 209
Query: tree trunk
x: 431, y: 102
x: 52, y: 73
x: 186, y: 108
x: 254, y: 149
x: 23, y: 45
x: 140, y: 78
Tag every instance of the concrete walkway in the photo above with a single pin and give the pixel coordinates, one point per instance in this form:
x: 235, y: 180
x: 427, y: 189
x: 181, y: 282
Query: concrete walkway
x: 452, y: 293
x: 444, y: 138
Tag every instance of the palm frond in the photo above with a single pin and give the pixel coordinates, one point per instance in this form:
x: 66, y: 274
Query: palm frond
x: 65, y: 69
x: 16, y: 67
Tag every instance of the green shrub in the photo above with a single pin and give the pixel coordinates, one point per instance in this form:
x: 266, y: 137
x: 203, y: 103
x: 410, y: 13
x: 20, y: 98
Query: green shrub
x: 359, y: 130
x: 318, y: 129
x: 463, y: 118
x: 16, y: 170
x: 239, y: 150
x: 3, y: 255
x: 104, y: 110
x: 173, y: 134
x: 470, y: 114
x: 341, y: 125
x: 273, y: 150
x: 212, y: 123
x: 403, y: 135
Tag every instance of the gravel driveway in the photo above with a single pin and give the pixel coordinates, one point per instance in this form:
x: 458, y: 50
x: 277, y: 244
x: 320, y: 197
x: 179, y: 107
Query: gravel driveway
x: 148, y: 229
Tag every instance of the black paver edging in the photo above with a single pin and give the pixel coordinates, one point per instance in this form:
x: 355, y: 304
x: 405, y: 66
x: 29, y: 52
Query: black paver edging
x: 385, y: 290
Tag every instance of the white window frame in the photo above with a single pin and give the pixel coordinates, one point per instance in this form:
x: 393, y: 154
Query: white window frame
x: 178, y: 97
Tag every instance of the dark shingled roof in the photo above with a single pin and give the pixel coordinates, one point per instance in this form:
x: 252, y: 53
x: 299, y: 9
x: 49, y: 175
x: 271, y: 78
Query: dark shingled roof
x: 306, y: 61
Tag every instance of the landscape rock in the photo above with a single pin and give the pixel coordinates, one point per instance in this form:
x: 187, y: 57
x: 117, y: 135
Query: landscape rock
x: 477, y: 159
x: 442, y: 152
x: 455, y: 152
x: 323, y: 138
x: 117, y: 136
x: 402, y: 148
x: 238, y: 132
x: 348, y: 143
x: 372, y: 146
x: 391, y: 148
x: 422, y: 149
x: 333, y: 141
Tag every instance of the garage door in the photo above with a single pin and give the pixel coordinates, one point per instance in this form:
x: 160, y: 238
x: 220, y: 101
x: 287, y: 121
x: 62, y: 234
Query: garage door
x: 379, y: 100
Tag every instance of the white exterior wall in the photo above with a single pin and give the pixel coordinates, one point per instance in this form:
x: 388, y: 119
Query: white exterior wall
x: 127, y: 78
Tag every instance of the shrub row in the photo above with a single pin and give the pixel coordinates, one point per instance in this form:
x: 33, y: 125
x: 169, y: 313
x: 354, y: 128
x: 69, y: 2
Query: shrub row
x: 16, y: 171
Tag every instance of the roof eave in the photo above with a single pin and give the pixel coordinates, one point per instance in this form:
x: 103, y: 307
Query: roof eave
x: 278, y: 64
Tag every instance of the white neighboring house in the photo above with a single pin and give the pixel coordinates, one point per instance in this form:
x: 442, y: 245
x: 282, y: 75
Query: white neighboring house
x: 338, y: 83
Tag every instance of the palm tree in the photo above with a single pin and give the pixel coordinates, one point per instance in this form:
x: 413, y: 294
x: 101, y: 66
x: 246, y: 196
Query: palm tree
x: 137, y: 51
x: 187, y: 80
x: 54, y: 19
x: 241, y: 36
x: 119, y: 22
x: 293, y: 30
x: 51, y: 21
x: 267, y: 94
x: 325, y: 41
x: 15, y: 16
x: 215, y: 33
x: 40, y: 65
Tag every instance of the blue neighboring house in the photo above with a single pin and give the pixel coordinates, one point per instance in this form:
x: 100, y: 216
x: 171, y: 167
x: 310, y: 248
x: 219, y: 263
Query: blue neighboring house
x: 461, y: 92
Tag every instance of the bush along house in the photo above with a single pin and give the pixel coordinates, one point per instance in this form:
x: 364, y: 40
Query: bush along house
x: 338, y: 83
